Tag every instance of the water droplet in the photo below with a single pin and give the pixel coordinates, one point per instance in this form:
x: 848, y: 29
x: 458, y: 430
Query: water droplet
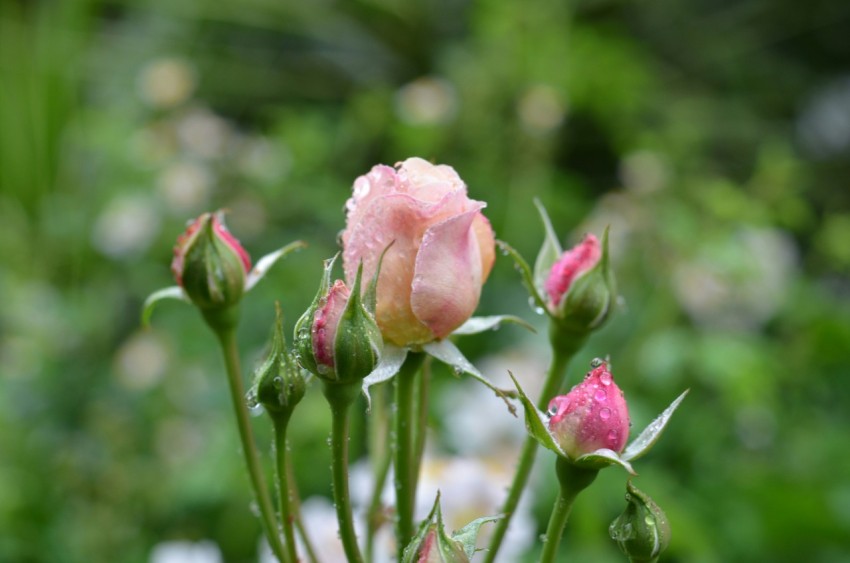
x: 251, y: 400
x: 553, y: 410
x: 605, y: 414
x: 612, y: 437
x: 650, y: 521
x: 535, y: 307
x: 254, y: 508
x: 277, y: 382
x: 543, y: 538
x: 596, y: 362
x: 605, y: 378
x: 600, y: 395
x: 457, y: 370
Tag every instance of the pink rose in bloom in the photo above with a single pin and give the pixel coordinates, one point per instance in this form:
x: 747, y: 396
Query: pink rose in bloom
x: 592, y: 416
x: 210, y: 264
x: 572, y: 263
x: 442, y: 250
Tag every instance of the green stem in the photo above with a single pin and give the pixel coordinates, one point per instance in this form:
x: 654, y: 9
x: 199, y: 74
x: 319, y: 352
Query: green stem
x: 296, y: 512
x: 573, y: 480
x: 227, y: 338
x: 285, y: 486
x: 563, y: 350
x: 421, y: 430
x: 380, y: 453
x: 404, y: 449
x: 341, y: 397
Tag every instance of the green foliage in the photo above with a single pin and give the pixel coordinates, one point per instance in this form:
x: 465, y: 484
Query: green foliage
x: 695, y: 130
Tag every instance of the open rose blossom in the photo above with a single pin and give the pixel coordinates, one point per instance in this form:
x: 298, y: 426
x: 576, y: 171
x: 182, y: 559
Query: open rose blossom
x: 572, y: 264
x: 442, y: 250
x: 592, y: 416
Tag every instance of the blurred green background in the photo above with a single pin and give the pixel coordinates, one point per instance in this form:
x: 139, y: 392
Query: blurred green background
x: 713, y: 136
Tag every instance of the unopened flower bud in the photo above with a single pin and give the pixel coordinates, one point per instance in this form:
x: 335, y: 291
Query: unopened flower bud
x: 433, y: 545
x: 337, y: 338
x: 592, y: 416
x: 210, y: 264
x: 642, y: 531
x: 580, y: 287
x: 278, y: 383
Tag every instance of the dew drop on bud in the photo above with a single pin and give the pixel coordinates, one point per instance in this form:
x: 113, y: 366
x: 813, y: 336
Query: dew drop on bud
x: 605, y: 414
x: 278, y: 383
x: 605, y: 378
x: 600, y: 396
x: 596, y: 362
x: 251, y: 400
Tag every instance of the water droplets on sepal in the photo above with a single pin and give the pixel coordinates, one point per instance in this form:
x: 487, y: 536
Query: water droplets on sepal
x: 537, y: 302
x: 448, y: 353
x: 652, y: 432
x: 604, y: 457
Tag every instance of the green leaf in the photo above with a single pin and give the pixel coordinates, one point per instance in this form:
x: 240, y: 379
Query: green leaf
x: 536, y: 422
x: 174, y: 292
x: 652, y: 432
x: 477, y: 325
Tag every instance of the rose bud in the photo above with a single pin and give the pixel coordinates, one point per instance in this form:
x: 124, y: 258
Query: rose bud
x: 442, y: 250
x: 592, y: 416
x: 433, y: 545
x: 642, y: 531
x: 580, y: 287
x: 210, y: 264
x: 337, y: 338
x: 279, y: 383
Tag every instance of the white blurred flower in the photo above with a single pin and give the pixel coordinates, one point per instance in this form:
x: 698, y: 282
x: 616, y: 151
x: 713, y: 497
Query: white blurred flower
x: 167, y: 82
x: 127, y: 226
x: 644, y: 172
x: 185, y: 186
x: 260, y: 159
x: 203, y: 133
x: 481, y: 423
x: 141, y: 361
x: 540, y: 109
x: 181, y: 551
x: 471, y: 488
x: 824, y: 124
x: 739, y: 284
x: 428, y: 100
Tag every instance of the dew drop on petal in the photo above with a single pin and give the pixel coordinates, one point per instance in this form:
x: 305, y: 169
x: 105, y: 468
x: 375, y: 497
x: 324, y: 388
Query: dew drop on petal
x: 605, y: 414
x: 605, y: 378
x: 600, y: 395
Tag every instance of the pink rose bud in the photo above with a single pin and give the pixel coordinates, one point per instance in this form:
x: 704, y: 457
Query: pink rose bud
x: 442, y: 250
x: 572, y: 263
x: 210, y: 264
x: 337, y: 338
x: 592, y: 416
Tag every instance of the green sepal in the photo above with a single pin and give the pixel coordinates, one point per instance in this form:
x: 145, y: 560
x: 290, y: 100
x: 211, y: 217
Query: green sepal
x: 173, y: 292
x: 550, y: 251
x: 647, y: 438
x: 265, y: 263
x: 468, y: 535
x: 536, y: 422
x: 526, y: 274
x: 358, y: 342
x: 603, y: 457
